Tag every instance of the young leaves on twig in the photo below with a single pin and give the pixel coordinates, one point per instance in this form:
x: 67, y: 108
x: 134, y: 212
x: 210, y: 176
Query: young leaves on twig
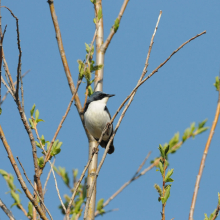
x: 34, y: 120
x: 116, y: 25
x: 86, y: 69
x: 100, y: 207
x: 164, y: 192
x: 216, y: 84
x: 79, y: 201
x: 13, y: 190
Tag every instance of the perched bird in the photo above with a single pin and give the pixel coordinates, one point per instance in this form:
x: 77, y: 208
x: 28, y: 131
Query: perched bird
x: 96, y: 116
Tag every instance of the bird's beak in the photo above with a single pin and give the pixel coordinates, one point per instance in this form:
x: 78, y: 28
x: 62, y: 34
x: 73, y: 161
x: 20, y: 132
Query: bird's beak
x: 110, y: 95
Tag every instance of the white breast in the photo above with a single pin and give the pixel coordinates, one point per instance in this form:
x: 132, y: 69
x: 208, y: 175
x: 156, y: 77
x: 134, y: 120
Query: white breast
x: 96, y: 119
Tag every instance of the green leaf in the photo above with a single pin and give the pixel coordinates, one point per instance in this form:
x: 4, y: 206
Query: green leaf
x: 169, y: 180
x: 116, y: 25
x: 206, y: 217
x: 3, y: 173
x: 167, y: 195
x: 100, y: 14
x: 161, y: 167
x: 55, y: 169
x: 39, y: 120
x: 199, y: 131
x: 201, y: 124
x: 166, y: 149
x: 78, y: 206
x: 75, y: 173
x: 100, y: 204
x: 37, y: 144
x: 174, y: 140
x: 32, y: 110
x: 169, y: 174
x: 40, y: 161
x: 37, y: 115
x: 73, y: 216
x: 159, y: 190
x: 93, y: 1
x: 31, y: 123
x: 15, y: 196
x: 30, y: 209
x: 90, y: 90
x: 87, y: 47
x: 216, y: 84
x: 97, y: 67
x: 0, y: 111
x: 66, y: 179
x: 192, y: 127
x: 218, y: 198
x: 186, y: 134
x: 162, y: 154
x: 94, y: 20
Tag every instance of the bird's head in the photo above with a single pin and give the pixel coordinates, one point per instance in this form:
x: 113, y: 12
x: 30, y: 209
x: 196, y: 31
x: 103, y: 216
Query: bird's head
x: 99, y: 96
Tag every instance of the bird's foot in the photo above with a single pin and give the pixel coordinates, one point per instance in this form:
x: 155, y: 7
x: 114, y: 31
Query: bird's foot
x: 108, y: 128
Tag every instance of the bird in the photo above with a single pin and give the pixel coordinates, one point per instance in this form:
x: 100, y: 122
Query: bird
x: 96, y: 116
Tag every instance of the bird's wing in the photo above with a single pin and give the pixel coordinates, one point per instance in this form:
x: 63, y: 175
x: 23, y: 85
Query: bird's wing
x: 106, y: 109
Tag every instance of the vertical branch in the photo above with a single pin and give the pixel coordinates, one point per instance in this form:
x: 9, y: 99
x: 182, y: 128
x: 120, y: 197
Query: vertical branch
x: 202, y: 164
x: 98, y: 85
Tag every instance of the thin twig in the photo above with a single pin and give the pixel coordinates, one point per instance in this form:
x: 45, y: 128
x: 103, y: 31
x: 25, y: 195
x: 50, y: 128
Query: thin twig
x: 48, y: 176
x: 122, y: 115
x: 202, y: 164
x: 56, y: 185
x: 5, y: 96
x: 23, y: 210
x: 20, y: 53
x: 19, y: 176
x: 216, y: 212
x: 112, y: 32
x: 126, y: 184
x: 7, y: 72
x: 34, y: 188
x: 6, y: 210
x: 8, y: 88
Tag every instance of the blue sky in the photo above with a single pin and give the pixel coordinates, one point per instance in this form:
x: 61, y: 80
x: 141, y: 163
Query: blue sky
x: 180, y: 93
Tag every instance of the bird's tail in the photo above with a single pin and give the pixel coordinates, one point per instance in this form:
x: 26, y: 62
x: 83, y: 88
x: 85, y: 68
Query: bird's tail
x: 104, y: 144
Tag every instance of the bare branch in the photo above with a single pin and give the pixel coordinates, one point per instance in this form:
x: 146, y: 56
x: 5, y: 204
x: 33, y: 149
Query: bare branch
x: 5, y: 96
x: 8, y: 88
x: 7, y: 73
x: 20, y: 52
x: 126, y: 184
x: 113, y: 30
x: 34, y: 188
x: 48, y: 176
x: 202, y: 164
x: 6, y: 210
x: 23, y: 210
x: 19, y: 176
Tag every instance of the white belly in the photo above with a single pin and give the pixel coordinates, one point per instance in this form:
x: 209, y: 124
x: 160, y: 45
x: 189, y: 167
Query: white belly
x: 96, y: 119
